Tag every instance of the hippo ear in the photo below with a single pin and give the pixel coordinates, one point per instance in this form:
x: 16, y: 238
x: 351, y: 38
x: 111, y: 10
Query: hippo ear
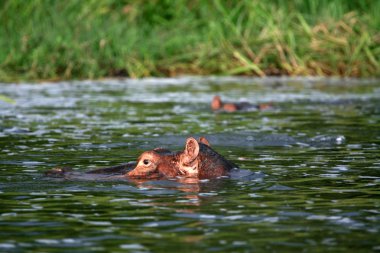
x: 191, y: 150
x: 204, y: 141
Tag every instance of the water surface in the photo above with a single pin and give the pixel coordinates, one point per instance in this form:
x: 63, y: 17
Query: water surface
x: 315, y: 156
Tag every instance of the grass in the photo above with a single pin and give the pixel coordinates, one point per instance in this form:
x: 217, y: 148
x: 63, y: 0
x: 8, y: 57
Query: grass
x: 74, y: 39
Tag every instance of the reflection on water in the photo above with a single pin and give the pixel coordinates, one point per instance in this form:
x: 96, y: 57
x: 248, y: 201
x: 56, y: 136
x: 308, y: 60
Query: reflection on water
x: 309, y: 180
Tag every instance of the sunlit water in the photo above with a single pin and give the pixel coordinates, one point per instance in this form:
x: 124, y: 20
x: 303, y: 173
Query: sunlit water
x: 315, y: 157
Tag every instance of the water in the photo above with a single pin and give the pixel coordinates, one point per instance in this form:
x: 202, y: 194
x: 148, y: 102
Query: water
x: 315, y: 156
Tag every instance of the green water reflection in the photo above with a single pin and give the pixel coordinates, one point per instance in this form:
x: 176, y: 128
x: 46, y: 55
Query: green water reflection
x: 317, y: 151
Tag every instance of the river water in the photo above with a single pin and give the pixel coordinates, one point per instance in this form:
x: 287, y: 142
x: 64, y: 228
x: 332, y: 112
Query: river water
x: 314, y: 155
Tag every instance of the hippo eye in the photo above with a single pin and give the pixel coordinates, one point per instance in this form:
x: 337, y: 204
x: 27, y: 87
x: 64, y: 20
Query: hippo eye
x: 146, y: 161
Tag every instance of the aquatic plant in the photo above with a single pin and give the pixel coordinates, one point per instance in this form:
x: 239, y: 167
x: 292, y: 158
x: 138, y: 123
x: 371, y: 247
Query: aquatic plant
x: 93, y: 39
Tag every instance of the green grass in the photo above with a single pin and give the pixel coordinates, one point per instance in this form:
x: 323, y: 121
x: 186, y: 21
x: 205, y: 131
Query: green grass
x: 74, y: 39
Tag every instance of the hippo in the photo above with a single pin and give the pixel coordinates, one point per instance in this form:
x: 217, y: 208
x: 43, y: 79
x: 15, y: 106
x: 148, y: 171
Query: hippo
x: 112, y: 172
x: 218, y: 105
x: 197, y: 160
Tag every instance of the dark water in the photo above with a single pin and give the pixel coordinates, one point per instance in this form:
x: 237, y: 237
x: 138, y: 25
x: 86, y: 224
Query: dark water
x: 316, y: 154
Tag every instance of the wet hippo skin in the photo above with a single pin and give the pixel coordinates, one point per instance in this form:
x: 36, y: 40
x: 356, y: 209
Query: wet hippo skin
x: 69, y: 173
x: 197, y: 160
x: 218, y: 105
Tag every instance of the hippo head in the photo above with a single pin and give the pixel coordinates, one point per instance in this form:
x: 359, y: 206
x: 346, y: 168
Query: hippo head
x: 197, y: 160
x: 155, y: 164
x: 216, y: 103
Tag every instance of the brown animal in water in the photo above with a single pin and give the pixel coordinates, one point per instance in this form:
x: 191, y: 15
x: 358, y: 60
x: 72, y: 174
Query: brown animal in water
x: 197, y: 160
x: 218, y: 105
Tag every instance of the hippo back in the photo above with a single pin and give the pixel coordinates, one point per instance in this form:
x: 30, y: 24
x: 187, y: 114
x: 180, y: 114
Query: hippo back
x: 212, y: 164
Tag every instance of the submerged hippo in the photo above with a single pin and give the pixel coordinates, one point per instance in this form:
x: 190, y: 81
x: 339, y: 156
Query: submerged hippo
x: 218, y: 105
x: 197, y: 160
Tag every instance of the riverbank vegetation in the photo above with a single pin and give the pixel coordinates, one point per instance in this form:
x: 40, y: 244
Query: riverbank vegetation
x: 53, y: 40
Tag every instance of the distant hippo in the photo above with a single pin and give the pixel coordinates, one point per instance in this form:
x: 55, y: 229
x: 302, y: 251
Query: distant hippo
x: 197, y: 160
x: 218, y: 105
